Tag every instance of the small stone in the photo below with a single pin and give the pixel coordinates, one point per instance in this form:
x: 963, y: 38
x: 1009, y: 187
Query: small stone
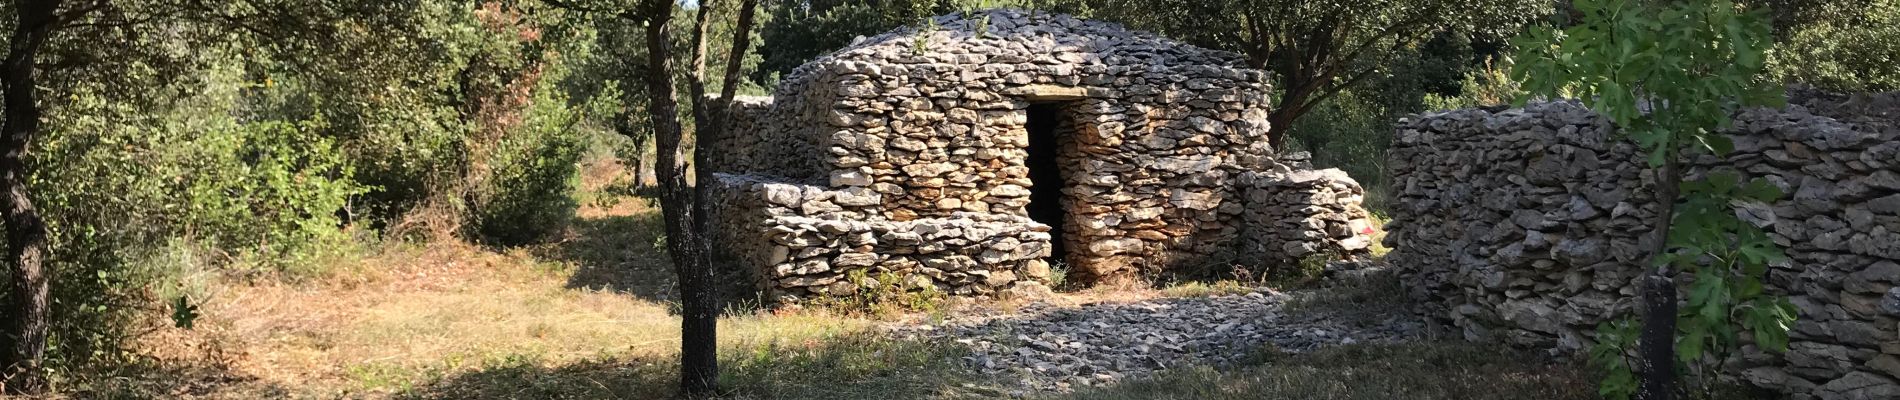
x: 849, y: 177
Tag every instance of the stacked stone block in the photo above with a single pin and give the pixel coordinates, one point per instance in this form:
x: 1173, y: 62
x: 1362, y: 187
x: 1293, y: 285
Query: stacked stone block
x: 1525, y: 225
x: 1304, y: 214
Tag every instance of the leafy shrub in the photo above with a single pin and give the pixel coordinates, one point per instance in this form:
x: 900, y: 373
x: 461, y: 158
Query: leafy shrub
x: 529, y: 192
x: 270, y: 187
x: 1849, y: 46
x: 125, y: 187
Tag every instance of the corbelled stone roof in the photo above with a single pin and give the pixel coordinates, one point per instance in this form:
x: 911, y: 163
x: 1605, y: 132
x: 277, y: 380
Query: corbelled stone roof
x: 1026, y: 39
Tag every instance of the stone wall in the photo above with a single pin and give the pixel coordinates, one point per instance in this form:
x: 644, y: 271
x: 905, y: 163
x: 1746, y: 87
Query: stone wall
x: 930, y: 127
x: 1303, y: 213
x: 806, y: 244
x: 1523, y: 225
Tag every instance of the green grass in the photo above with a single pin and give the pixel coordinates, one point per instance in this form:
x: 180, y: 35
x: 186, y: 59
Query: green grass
x: 1191, y: 289
x: 1360, y: 301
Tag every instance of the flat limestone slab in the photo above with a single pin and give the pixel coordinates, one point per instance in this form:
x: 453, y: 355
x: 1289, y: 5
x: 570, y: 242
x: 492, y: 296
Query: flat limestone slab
x: 1048, y: 92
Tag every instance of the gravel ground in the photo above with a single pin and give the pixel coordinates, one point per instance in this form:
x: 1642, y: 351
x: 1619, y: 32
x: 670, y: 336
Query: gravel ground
x: 1052, y: 348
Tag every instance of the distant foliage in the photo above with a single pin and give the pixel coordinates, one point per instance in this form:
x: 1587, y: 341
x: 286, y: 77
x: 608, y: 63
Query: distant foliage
x: 1352, y: 130
x: 1487, y: 87
x: 1842, y: 45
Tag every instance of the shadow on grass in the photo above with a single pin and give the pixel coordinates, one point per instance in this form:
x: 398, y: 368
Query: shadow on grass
x: 627, y: 254
x: 1419, y: 370
x: 862, y: 366
x: 849, y: 366
x: 165, y: 381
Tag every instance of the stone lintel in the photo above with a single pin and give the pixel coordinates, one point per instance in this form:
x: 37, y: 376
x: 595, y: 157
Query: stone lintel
x: 1048, y: 92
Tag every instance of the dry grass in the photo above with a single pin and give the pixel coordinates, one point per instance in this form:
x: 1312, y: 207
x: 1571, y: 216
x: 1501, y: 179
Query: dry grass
x: 458, y: 322
x: 589, y: 317
x: 449, y: 320
x: 1206, y: 289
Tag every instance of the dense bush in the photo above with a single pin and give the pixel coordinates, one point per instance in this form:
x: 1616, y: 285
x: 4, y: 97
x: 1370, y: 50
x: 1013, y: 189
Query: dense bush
x: 529, y: 192
x: 1843, y: 46
x: 259, y: 157
x: 120, y: 184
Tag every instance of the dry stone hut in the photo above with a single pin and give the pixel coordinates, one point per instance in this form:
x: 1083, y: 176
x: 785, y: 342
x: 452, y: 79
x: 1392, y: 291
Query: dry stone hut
x: 971, y: 154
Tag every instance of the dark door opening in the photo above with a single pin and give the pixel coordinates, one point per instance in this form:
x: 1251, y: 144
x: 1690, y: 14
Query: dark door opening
x: 1045, y: 173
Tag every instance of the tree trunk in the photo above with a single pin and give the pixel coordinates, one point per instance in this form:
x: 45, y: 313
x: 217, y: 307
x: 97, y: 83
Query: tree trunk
x: 699, y: 365
x: 711, y: 124
x: 1279, y: 121
x: 623, y: 124
x: 24, y: 339
x: 1293, y: 103
x: 1656, y: 344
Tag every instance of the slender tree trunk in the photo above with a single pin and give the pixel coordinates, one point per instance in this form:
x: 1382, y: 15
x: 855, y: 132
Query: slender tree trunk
x: 699, y: 364
x: 1656, y: 344
x: 710, y: 128
x: 24, y: 338
x: 623, y: 124
x: 735, y: 59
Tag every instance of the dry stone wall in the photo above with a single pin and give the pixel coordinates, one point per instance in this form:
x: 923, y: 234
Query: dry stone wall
x: 1523, y: 225
x: 1302, y: 214
x: 806, y: 244
x: 929, y: 128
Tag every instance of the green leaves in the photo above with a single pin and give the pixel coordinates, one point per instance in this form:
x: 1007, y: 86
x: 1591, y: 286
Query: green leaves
x: 184, y: 314
x: 1670, y: 75
x: 1614, y: 338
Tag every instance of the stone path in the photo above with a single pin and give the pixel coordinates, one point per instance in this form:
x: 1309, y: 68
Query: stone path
x: 1057, y: 348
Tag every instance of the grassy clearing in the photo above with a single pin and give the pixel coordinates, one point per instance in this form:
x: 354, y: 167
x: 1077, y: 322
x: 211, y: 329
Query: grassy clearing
x: 590, y: 317
x: 508, y: 326
x: 1417, y: 371
x: 502, y: 326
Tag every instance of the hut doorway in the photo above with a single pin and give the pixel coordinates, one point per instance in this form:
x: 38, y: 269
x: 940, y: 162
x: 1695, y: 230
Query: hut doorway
x: 1049, y: 130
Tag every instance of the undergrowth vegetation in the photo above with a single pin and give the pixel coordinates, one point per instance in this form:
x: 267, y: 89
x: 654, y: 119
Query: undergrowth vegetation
x: 248, y: 165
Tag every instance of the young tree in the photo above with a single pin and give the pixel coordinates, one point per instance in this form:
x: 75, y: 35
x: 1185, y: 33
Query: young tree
x: 1316, y: 48
x: 683, y: 205
x: 1670, y: 75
